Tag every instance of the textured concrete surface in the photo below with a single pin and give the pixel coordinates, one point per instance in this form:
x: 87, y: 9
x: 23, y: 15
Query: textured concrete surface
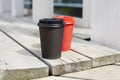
x: 86, y: 31
x: 100, y: 55
x: 68, y: 61
x: 25, y: 33
x: 81, y: 33
x: 18, y: 64
x: 83, y: 55
x: 81, y: 36
x: 111, y: 72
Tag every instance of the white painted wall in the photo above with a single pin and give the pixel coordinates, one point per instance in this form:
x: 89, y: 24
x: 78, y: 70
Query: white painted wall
x: 42, y: 9
x: 0, y: 6
x: 105, y: 22
x: 17, y: 8
x: 85, y: 20
x: 5, y: 6
x: 87, y: 4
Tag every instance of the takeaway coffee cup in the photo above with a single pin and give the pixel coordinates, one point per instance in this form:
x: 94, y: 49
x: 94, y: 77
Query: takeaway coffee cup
x: 51, y: 35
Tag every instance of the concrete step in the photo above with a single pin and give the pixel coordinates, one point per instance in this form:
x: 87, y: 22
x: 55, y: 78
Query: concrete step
x: 16, y: 63
x: 68, y: 61
x: 82, y: 56
x: 82, y: 33
x: 100, y: 55
x: 110, y: 72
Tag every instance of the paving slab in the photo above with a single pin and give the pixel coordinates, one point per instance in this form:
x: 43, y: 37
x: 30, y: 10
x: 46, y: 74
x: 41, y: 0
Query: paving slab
x: 110, y: 72
x: 18, y: 64
x: 82, y: 33
x: 25, y: 34
x: 69, y: 62
x: 81, y: 36
x: 77, y: 29
x: 100, y: 55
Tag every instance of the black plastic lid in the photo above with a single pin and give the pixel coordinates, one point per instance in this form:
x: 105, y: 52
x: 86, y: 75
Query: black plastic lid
x: 51, y: 22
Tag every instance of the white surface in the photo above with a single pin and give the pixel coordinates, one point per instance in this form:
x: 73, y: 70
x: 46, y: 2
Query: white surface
x: 87, y: 12
x: 25, y: 33
x: 106, y: 22
x: 85, y: 20
x: 17, y: 63
x: 17, y: 8
x: 42, y: 9
x: 15, y: 56
x: 5, y: 6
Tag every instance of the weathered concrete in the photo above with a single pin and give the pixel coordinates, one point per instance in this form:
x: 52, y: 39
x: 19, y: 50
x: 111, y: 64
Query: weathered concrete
x: 100, y: 55
x: 18, y: 64
x: 82, y: 33
x: 81, y: 36
x: 68, y: 61
x: 111, y: 72
x: 25, y: 33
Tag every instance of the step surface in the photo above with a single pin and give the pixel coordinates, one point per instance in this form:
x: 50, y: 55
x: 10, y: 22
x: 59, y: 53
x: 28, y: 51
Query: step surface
x: 24, y: 33
x: 69, y: 62
x: 100, y: 55
x: 82, y: 56
x: 82, y: 33
x: 18, y: 64
x: 110, y: 72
